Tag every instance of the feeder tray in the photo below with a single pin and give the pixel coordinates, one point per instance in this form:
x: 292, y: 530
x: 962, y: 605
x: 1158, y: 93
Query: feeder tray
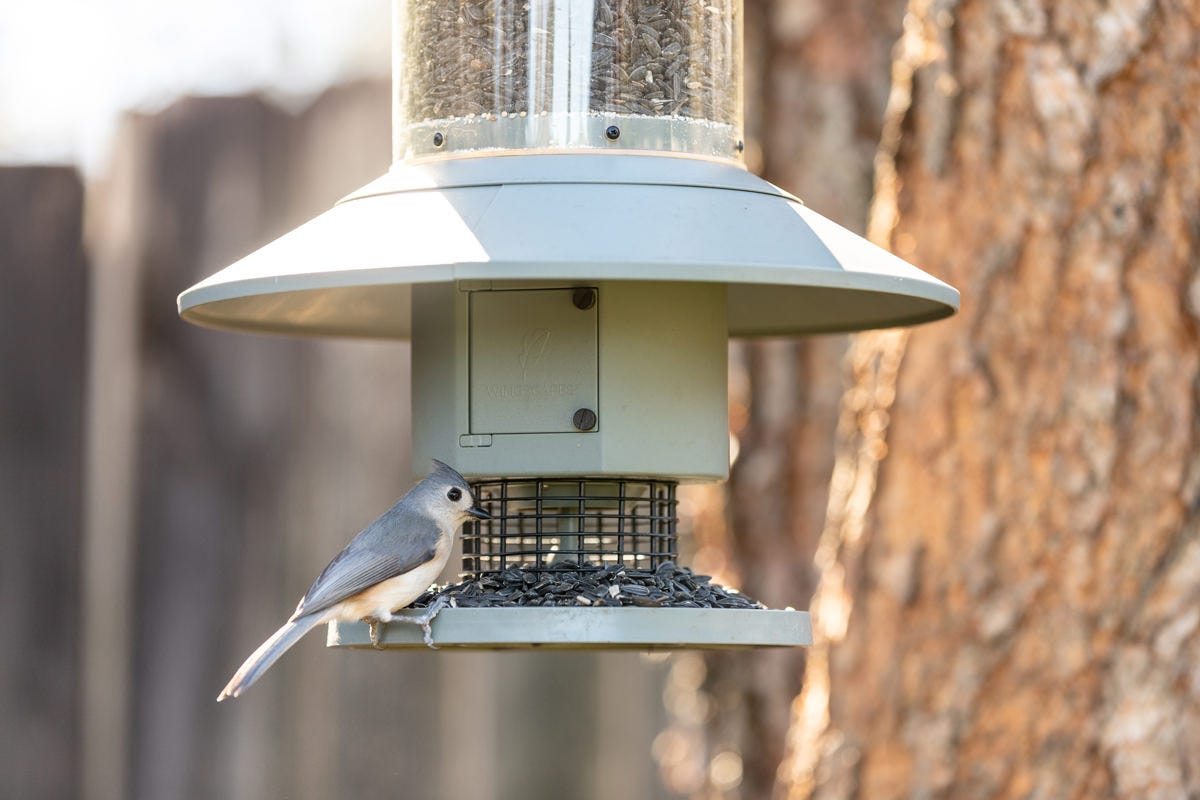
x: 646, y: 629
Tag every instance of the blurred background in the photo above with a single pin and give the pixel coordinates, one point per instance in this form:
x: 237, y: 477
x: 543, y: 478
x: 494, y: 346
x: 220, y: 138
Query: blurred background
x: 995, y: 520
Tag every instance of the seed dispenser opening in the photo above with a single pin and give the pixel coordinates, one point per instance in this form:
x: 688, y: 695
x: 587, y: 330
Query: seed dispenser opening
x: 541, y: 524
x: 569, y: 238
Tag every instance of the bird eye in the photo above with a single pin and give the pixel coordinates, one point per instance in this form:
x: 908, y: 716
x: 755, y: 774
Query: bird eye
x: 454, y: 494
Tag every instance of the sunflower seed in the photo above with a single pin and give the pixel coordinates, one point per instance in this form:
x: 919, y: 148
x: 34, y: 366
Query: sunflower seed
x: 592, y: 585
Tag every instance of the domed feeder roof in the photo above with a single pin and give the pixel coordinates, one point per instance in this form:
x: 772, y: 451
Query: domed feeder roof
x: 570, y: 218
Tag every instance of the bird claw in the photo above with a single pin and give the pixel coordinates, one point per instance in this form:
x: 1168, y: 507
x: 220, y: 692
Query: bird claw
x: 426, y: 619
x: 373, y: 625
x: 428, y: 636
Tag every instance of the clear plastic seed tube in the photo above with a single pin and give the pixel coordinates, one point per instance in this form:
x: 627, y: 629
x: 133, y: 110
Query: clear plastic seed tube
x: 509, y: 75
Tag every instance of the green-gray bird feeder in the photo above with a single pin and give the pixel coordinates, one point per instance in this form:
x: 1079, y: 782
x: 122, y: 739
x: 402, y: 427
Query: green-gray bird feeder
x: 568, y: 236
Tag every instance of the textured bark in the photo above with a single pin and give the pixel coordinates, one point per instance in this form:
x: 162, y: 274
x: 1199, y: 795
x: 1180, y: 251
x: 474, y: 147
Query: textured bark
x: 43, y: 291
x: 1009, y: 598
x: 817, y: 81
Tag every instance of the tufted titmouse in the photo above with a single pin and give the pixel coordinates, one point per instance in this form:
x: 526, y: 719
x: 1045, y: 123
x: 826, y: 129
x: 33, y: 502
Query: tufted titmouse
x: 385, y: 567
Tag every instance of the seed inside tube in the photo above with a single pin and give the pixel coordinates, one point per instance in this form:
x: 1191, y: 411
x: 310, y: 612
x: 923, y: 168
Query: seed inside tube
x: 490, y: 65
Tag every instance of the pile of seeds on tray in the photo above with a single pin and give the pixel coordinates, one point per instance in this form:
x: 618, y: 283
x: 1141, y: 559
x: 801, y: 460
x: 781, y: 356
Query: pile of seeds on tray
x: 565, y: 584
x: 497, y: 57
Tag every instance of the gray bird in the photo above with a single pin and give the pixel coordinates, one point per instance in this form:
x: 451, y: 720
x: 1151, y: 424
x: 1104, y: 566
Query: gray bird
x: 390, y: 563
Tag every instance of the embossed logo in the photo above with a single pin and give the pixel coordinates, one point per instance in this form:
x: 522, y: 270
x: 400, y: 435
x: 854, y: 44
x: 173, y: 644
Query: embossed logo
x: 533, y: 347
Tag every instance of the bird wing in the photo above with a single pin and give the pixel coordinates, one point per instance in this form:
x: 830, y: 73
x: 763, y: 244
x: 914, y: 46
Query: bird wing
x: 392, y: 545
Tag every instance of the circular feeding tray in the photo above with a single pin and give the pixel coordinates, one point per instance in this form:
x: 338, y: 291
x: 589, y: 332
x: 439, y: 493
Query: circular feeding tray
x: 565, y: 606
x: 589, y: 628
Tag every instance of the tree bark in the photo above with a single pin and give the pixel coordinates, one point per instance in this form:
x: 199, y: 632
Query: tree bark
x: 1008, y: 604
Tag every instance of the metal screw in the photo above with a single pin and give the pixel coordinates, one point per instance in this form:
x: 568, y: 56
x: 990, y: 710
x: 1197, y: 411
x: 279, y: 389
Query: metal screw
x: 613, y: 133
x: 584, y: 419
x: 741, y: 145
x: 584, y: 298
x: 438, y: 139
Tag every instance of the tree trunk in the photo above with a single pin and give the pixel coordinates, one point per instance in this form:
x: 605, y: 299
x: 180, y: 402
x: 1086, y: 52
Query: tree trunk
x: 1009, y: 603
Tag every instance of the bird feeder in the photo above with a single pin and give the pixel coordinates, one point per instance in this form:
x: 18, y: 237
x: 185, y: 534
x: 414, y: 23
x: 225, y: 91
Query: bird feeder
x: 569, y: 237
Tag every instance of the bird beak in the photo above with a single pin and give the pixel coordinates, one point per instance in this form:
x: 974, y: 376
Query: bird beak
x: 478, y: 513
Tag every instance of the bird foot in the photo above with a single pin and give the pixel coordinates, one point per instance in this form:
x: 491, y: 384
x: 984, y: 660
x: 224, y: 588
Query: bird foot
x: 373, y: 624
x: 426, y: 619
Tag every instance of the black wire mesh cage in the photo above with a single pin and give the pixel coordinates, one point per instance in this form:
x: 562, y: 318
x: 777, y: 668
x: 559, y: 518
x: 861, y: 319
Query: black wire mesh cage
x: 542, y: 524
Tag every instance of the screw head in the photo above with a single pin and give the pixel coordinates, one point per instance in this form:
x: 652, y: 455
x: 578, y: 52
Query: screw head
x: 438, y: 139
x: 584, y: 298
x: 612, y: 132
x: 584, y: 419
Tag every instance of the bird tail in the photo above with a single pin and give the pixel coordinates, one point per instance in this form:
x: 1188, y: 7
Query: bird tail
x: 267, y: 653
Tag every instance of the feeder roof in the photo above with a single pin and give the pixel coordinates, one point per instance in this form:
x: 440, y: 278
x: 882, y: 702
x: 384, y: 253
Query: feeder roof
x: 575, y: 219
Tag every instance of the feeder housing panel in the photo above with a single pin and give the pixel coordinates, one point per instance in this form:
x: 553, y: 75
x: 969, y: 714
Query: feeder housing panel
x: 532, y: 360
x: 657, y: 408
